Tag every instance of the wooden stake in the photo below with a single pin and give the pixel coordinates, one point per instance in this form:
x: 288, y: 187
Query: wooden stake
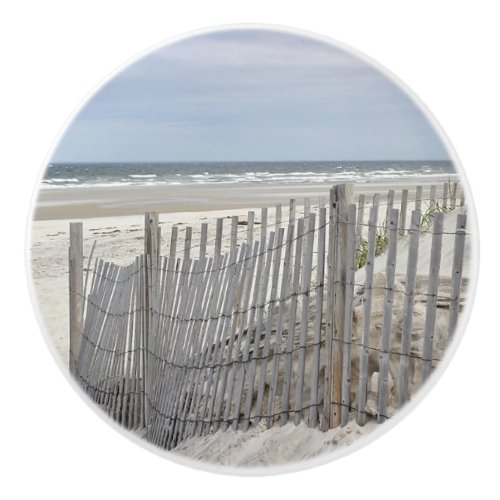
x: 75, y: 292
x: 383, y: 387
x: 340, y: 197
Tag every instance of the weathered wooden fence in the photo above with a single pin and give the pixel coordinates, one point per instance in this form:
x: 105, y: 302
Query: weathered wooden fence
x: 283, y: 326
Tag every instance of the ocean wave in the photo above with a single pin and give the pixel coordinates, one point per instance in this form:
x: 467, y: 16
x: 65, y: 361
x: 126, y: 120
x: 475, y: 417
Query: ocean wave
x: 60, y: 180
x: 116, y: 176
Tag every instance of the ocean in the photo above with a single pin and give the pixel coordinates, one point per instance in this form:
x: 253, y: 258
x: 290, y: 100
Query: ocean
x: 64, y: 175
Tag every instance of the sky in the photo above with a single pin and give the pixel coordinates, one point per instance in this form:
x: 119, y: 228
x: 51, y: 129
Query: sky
x: 249, y: 95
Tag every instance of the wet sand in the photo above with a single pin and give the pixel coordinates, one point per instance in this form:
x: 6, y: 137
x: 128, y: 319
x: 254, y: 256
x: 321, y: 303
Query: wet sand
x: 85, y: 202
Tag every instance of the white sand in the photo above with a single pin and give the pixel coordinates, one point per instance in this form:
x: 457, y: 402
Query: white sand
x: 260, y: 446
x: 120, y: 239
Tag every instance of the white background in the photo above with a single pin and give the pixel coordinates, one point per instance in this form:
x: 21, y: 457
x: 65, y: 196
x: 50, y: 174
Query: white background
x: 53, y: 55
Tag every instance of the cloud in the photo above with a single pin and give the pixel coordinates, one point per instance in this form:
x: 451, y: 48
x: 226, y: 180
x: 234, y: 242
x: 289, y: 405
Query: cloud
x: 293, y: 94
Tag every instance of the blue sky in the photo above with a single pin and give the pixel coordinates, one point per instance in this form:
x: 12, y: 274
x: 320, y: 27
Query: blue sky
x: 249, y: 95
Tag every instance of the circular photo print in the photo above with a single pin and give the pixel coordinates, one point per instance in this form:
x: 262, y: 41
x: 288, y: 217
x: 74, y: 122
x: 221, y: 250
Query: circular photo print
x: 251, y: 248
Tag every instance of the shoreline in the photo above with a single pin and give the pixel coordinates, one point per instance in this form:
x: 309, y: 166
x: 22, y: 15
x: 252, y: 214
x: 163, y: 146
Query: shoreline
x: 109, y: 201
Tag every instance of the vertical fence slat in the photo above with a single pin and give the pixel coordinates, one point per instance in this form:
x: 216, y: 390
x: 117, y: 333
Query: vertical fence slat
x: 234, y: 237
x: 250, y: 224
x: 327, y: 392
x: 411, y: 273
x: 261, y: 289
x: 418, y: 198
x: 456, y: 277
x: 445, y: 195
x: 360, y: 219
x: 209, y: 312
x: 383, y: 386
x: 249, y: 341
x: 285, y: 284
x: 201, y: 399
x: 227, y: 338
x: 167, y: 399
x: 390, y: 204
x: 213, y: 382
x: 305, y: 291
x: 432, y: 198
x: 432, y: 291
x: 367, y: 309
x: 263, y: 224
x: 285, y: 395
x: 190, y: 348
x: 269, y: 324
x: 184, y: 332
x: 291, y: 212
x: 402, y: 214
x: 218, y: 237
x: 173, y: 242
x: 187, y: 243
x: 242, y: 305
x: 348, y: 296
x: 453, y: 196
x: 203, y: 241
x: 318, y: 320
x: 321, y: 202
x: 198, y: 339
x: 164, y: 349
x: 278, y: 216
x: 238, y: 306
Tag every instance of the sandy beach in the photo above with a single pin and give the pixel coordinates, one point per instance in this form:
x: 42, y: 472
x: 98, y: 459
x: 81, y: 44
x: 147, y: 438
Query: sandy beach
x: 113, y: 201
x: 113, y: 218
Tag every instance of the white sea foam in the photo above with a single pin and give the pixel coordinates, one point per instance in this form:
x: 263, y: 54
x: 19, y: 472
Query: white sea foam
x: 48, y: 181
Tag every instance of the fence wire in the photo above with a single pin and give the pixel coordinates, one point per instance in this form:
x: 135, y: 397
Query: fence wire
x: 181, y: 347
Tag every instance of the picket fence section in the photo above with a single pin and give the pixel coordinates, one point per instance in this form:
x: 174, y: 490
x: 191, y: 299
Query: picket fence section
x: 277, y: 328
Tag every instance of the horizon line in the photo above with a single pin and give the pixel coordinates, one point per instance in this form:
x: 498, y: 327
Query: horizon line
x: 248, y: 161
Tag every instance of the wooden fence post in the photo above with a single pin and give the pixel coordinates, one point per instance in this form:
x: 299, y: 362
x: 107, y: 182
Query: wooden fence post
x: 340, y: 197
x: 151, y: 234
x: 151, y: 254
x: 75, y: 262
